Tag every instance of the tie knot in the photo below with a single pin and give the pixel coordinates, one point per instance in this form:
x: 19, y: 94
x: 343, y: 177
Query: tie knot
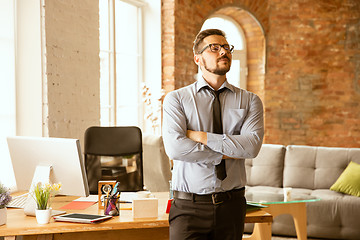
x: 215, y: 93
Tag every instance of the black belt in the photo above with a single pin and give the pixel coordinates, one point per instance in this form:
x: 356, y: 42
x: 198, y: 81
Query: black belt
x: 214, y: 198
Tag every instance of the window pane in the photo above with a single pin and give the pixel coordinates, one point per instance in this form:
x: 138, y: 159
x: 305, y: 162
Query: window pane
x: 127, y: 90
x: 233, y: 76
x: 232, y: 32
x: 126, y: 28
x: 120, y: 68
x: 7, y: 89
x: 104, y: 89
x: 127, y: 64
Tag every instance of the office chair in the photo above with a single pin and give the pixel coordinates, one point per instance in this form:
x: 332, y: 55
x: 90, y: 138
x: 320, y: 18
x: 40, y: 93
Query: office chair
x: 114, y: 153
x: 157, y: 167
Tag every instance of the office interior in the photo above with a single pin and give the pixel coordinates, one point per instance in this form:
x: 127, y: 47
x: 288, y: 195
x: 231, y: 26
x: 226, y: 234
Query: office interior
x: 303, y: 60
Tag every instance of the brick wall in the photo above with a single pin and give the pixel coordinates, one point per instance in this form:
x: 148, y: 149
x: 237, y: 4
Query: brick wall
x: 71, y: 66
x: 309, y: 49
x: 312, y: 78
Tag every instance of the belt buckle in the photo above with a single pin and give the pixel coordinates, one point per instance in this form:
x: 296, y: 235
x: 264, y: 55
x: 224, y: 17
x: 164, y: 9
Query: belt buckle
x: 214, y: 200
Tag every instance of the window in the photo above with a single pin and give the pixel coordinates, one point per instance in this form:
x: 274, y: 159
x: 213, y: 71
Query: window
x: 7, y: 88
x: 121, y: 60
x: 235, y: 36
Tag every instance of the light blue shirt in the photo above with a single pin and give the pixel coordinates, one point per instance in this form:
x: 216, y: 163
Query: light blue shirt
x: 190, y: 108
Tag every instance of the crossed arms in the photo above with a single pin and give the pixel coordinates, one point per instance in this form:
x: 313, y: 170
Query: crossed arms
x: 188, y: 145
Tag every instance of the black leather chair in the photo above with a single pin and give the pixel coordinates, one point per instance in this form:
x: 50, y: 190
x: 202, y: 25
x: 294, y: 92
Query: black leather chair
x: 114, y: 153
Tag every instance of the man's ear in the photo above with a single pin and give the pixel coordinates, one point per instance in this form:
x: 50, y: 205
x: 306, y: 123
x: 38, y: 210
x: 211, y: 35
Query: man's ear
x: 197, y: 59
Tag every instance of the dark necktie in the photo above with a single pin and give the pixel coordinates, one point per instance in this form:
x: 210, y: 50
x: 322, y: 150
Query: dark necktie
x: 217, y: 122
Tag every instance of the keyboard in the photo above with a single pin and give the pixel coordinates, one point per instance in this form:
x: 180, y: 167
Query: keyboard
x: 18, y: 201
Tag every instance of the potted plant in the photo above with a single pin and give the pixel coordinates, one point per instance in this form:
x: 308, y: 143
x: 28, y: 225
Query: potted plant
x: 42, y: 194
x: 5, y: 198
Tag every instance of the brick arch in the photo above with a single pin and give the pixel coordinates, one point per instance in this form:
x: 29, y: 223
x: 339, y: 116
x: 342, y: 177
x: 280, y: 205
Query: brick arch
x: 255, y: 44
x: 182, y: 20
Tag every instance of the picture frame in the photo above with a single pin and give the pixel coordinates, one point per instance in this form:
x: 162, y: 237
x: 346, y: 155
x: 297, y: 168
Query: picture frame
x: 104, y: 188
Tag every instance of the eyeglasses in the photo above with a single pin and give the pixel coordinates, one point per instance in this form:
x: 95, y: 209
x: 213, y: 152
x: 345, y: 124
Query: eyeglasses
x: 215, y: 47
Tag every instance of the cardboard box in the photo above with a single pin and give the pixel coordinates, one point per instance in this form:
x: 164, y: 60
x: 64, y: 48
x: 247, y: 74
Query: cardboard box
x: 145, y: 208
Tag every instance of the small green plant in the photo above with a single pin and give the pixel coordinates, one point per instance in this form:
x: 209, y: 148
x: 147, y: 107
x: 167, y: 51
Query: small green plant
x: 5, y: 197
x: 42, y: 194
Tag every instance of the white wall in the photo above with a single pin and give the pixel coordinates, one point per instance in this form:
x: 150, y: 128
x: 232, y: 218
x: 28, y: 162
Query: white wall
x: 72, y: 79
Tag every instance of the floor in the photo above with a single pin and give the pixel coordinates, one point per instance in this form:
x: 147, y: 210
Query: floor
x: 290, y: 238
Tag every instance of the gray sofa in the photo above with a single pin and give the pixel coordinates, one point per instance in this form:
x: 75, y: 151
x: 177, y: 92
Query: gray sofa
x: 310, y: 171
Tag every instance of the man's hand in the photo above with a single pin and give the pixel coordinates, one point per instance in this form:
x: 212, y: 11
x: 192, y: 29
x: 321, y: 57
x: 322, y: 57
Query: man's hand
x: 197, y: 136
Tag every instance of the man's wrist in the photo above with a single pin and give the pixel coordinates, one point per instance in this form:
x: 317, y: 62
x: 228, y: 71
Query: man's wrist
x: 197, y: 136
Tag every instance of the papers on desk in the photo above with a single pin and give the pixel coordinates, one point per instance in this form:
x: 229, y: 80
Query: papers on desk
x: 90, y: 198
x: 77, y: 205
x: 81, y: 203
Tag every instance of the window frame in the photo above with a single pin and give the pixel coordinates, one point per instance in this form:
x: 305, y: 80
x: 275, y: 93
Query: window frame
x: 113, y: 104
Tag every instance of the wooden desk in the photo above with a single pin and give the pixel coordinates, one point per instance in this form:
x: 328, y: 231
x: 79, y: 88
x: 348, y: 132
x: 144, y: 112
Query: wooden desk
x: 122, y: 227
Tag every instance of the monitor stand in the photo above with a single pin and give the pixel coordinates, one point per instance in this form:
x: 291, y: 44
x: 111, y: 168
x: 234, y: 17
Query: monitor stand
x: 42, y: 174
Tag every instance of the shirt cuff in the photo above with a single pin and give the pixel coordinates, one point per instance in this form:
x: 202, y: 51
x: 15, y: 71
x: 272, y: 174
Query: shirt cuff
x: 215, y: 142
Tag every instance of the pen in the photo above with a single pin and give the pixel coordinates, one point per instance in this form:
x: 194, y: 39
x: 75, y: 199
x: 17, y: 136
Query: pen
x: 115, y: 189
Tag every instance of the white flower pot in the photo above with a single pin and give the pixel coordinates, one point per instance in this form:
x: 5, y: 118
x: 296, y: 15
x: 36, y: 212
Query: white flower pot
x: 43, y: 216
x: 3, y: 216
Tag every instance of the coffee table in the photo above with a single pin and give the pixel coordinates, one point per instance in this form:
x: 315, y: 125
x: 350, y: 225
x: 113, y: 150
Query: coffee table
x: 275, y: 205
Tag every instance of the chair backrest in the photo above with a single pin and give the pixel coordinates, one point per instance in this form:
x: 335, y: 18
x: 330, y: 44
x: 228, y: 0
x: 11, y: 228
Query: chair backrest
x: 114, y: 153
x: 157, y: 171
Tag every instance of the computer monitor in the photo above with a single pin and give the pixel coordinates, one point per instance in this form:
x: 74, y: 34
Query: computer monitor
x: 62, y: 155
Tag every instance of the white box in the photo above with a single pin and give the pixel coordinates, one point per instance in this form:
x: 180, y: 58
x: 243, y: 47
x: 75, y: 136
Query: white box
x: 145, y: 208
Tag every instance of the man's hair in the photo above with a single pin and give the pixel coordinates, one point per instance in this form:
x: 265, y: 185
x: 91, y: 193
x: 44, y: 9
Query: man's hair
x: 203, y: 34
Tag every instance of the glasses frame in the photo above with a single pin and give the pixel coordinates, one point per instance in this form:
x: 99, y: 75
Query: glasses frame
x: 231, y: 50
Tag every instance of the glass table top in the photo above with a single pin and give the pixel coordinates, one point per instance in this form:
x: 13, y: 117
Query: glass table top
x: 277, y: 198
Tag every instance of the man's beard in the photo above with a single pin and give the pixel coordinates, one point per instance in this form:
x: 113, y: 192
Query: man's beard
x: 218, y: 71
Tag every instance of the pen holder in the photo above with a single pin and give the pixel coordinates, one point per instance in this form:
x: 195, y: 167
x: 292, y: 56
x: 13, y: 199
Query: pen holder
x: 111, y: 206
x: 104, y: 189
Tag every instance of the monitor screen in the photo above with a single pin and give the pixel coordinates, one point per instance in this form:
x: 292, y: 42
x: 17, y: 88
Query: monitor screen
x: 62, y: 154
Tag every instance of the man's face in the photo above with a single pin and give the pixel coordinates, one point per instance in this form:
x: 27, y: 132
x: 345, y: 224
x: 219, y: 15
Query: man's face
x: 215, y: 62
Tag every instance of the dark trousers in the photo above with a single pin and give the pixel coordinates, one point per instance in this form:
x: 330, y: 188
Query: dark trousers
x: 205, y: 221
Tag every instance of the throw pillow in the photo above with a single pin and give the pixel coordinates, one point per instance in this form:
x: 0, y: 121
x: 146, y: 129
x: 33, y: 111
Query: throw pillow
x: 349, y: 180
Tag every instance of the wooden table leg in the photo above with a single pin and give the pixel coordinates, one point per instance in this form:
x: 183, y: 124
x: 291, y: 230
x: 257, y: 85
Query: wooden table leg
x: 262, y: 231
x: 10, y: 238
x: 297, y: 211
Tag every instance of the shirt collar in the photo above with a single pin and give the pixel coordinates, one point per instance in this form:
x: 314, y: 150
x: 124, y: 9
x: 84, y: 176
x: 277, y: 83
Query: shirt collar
x: 201, y: 82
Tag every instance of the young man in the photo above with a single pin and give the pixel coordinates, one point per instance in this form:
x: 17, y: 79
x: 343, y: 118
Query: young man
x: 209, y: 128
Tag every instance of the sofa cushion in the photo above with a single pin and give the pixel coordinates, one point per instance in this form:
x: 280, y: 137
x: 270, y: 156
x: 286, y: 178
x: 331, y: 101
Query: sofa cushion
x: 267, y: 168
x: 334, y: 216
x: 316, y: 167
x: 349, y: 180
